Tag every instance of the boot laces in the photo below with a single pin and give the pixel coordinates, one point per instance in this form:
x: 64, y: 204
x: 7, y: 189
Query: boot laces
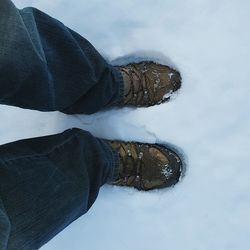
x: 136, y: 163
x: 144, y: 93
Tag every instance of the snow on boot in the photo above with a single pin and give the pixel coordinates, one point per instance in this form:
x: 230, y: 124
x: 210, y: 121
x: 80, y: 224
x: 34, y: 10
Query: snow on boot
x: 148, y: 83
x: 146, y: 166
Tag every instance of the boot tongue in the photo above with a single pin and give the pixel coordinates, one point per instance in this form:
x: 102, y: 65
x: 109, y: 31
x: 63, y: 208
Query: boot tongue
x: 128, y: 156
x: 132, y: 83
x: 127, y: 84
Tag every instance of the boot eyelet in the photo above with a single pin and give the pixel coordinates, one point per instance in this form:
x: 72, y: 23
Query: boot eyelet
x: 140, y: 155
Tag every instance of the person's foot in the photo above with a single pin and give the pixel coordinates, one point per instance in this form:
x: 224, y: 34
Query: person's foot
x: 146, y: 166
x: 148, y: 83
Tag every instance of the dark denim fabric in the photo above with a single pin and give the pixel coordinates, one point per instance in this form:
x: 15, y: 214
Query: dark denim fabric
x: 48, y: 182
x: 46, y: 66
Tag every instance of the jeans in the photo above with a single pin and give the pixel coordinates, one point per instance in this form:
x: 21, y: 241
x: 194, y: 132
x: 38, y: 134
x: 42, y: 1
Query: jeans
x: 46, y: 66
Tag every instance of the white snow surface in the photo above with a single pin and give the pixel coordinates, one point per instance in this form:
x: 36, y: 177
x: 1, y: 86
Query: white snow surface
x: 209, y: 42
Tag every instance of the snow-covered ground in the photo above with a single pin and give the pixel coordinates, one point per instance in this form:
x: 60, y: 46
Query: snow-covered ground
x: 209, y: 119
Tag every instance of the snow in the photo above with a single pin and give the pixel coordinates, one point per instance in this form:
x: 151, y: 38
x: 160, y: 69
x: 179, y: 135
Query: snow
x: 209, y: 42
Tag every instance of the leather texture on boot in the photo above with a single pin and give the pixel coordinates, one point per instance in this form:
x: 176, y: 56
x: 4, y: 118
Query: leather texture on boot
x: 148, y: 83
x: 146, y: 166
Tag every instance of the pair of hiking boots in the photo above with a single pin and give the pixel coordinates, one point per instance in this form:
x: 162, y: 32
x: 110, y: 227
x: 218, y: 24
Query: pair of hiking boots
x: 142, y: 165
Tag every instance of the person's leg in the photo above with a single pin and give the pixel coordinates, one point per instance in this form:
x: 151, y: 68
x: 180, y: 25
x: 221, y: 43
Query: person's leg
x: 46, y: 66
x: 5, y: 227
x: 48, y: 182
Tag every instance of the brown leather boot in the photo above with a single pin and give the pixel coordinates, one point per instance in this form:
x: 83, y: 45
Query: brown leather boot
x: 147, y: 83
x: 146, y: 166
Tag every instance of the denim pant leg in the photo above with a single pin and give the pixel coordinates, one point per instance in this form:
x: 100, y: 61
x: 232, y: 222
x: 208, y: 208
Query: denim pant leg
x: 48, y: 182
x: 5, y: 227
x: 46, y: 66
